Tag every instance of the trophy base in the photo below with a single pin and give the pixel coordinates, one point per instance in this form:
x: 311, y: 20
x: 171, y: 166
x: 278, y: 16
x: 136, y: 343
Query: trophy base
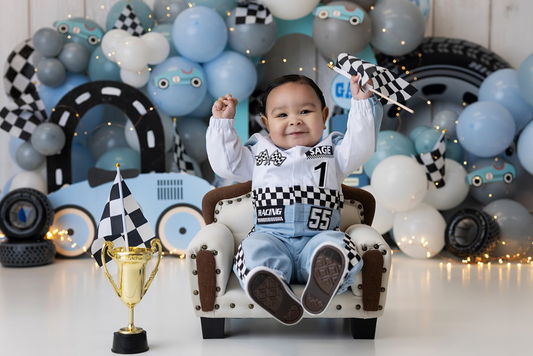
x: 129, y: 343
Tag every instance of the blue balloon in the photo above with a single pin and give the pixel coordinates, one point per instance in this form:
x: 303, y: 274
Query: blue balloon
x: 524, y: 148
x: 166, y: 30
x: 417, y: 131
x: 223, y: 7
x: 485, y: 128
x: 502, y: 87
x: 106, y: 138
x: 199, y: 34
x: 82, y: 160
x: 233, y: 73
x: 127, y: 157
x: 192, y: 134
x: 177, y: 86
x: 203, y: 110
x: 425, y: 142
x: 446, y: 119
x: 80, y: 30
x: 101, y: 68
x: 143, y: 12
x: 51, y: 96
x: 525, y: 78
x: 455, y: 151
x: 389, y: 143
x: 14, y: 143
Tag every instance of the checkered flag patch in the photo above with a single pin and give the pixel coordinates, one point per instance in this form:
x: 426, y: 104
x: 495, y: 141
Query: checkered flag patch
x: 19, y: 72
x: 129, y: 22
x: 242, y: 271
x: 382, y: 79
x: 183, y: 161
x: 328, y: 198
x: 351, y: 252
x: 138, y: 231
x: 433, y: 162
x: 276, y: 158
x: 252, y: 13
x: 21, y: 116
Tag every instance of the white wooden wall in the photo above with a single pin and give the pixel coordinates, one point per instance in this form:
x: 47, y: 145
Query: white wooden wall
x: 503, y: 26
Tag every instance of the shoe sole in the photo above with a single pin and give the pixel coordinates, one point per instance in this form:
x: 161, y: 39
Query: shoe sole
x: 328, y: 269
x: 270, y: 294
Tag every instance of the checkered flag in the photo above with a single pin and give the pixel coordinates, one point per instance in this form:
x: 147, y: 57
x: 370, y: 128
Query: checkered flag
x: 139, y: 233
x: 21, y: 116
x: 19, y: 72
x: 252, y: 13
x: 434, y: 162
x: 129, y: 22
x: 183, y: 161
x: 382, y: 79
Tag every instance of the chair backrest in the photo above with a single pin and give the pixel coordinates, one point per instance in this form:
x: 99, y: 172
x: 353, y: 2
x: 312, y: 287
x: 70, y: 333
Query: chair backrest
x: 232, y: 206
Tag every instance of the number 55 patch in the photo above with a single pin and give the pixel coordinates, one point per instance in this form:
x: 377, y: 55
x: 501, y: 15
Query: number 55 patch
x: 319, y: 218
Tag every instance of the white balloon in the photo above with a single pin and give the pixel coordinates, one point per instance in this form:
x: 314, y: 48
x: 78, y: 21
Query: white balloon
x: 383, y: 217
x: 158, y: 47
x: 29, y: 179
x: 400, y: 183
x: 419, y: 232
x: 131, y: 53
x: 135, y: 79
x: 109, y: 41
x: 290, y: 10
x: 455, y: 188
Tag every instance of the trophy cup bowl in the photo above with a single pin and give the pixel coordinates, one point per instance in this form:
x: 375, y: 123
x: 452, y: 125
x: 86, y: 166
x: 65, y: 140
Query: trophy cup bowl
x: 132, y: 286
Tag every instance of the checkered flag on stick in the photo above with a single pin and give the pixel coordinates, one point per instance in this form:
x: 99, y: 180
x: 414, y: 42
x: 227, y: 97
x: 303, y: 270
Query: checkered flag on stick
x: 384, y: 83
x: 129, y: 22
x: 183, y: 161
x: 121, y: 213
x: 252, y: 13
x: 21, y: 116
x: 433, y: 162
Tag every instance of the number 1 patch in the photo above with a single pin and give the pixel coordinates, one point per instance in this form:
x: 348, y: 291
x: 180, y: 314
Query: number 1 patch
x: 319, y: 218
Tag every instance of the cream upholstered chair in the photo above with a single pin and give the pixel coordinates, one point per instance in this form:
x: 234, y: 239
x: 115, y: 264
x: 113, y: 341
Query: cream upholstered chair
x: 216, y: 293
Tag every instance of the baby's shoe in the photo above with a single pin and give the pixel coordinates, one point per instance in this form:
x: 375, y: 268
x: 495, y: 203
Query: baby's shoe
x: 328, y: 270
x: 268, y: 290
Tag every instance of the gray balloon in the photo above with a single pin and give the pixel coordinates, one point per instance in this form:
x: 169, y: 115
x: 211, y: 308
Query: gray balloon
x: 47, y: 41
x: 105, y: 139
x: 166, y: 11
x: 489, y: 192
x: 28, y: 158
x: 51, y: 72
x: 398, y: 27
x: 251, y: 39
x: 516, y: 227
x: 48, y: 139
x: 75, y: 57
x: 333, y: 36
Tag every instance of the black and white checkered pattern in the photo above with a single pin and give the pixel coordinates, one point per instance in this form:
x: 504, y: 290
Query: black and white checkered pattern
x: 252, y: 13
x: 351, y: 252
x: 242, y: 271
x: 21, y: 116
x: 275, y: 158
x: 382, y: 79
x: 19, y: 72
x: 129, y: 22
x: 276, y: 196
x: 273, y: 196
x: 183, y: 161
x: 433, y: 162
x: 138, y: 231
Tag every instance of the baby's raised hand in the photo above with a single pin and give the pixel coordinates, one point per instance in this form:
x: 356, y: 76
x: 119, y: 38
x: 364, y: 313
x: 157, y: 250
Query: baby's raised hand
x: 224, y: 107
x: 357, y: 93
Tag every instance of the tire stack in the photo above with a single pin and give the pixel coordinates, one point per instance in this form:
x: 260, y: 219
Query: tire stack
x: 25, y: 217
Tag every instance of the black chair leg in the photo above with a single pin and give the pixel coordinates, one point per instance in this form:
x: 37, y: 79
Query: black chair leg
x: 364, y: 328
x: 212, y: 328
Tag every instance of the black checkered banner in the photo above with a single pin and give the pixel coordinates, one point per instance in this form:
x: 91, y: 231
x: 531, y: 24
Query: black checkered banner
x: 252, y: 13
x: 21, y: 116
x: 382, y: 79
x: 278, y: 196
x: 19, y: 72
x: 433, y: 162
x: 183, y: 161
x: 129, y: 22
x: 139, y: 233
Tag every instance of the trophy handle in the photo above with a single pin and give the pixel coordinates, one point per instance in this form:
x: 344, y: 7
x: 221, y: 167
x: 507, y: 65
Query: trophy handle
x: 155, y: 242
x: 108, y: 247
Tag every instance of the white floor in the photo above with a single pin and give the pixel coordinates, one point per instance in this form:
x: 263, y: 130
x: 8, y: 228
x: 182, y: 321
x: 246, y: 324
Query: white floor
x: 69, y: 308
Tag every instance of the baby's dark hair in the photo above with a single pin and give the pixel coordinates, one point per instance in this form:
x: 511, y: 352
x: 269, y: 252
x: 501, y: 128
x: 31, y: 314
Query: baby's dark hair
x: 290, y: 78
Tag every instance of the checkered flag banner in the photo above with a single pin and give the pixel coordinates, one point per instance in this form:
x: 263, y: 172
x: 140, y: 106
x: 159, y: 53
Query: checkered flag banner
x: 382, y: 79
x: 183, y: 161
x: 138, y: 231
x: 19, y: 71
x: 129, y: 22
x: 21, y: 116
x: 252, y: 13
x: 433, y: 162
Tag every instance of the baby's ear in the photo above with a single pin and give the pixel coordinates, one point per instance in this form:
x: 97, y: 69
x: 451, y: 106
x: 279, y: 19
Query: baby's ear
x: 264, y: 121
x: 325, y: 114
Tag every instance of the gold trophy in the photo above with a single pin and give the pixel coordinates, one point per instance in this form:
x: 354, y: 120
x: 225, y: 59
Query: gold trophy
x: 131, y: 289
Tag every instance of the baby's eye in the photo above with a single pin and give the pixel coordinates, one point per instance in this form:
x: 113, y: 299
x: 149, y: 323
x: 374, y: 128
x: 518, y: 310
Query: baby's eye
x: 305, y: 111
x: 281, y: 115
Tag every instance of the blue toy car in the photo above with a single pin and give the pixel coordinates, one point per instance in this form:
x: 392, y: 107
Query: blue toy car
x: 193, y: 78
x: 354, y: 16
x: 93, y: 35
x: 506, y: 173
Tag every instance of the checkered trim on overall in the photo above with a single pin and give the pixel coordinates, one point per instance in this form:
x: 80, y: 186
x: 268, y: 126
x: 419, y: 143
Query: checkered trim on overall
x: 252, y: 13
x: 242, y: 271
x: 276, y: 196
x: 129, y: 22
x: 351, y: 252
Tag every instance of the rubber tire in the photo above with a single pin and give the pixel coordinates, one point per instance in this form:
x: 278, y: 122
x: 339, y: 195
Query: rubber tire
x: 461, y: 60
x: 43, y: 220
x: 486, y: 237
x: 28, y: 254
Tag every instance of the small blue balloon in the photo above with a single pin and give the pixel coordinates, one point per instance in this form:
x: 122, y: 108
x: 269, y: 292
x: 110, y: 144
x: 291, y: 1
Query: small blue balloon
x: 166, y: 11
x: 233, y: 73
x: 425, y: 142
x: 101, y: 68
x: 524, y: 148
x: 446, y: 120
x: 199, y: 34
x: 417, y: 131
x: 502, y: 87
x: 485, y: 128
x: 455, y: 151
x: 166, y: 30
x: 106, y: 138
x: 389, y: 143
x: 82, y: 160
x: 143, y: 12
x: 192, y: 134
x: 127, y: 157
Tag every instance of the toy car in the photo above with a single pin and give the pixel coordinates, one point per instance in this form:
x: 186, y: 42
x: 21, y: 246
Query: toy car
x: 180, y: 77
x: 490, y: 174
x: 93, y: 35
x: 354, y: 16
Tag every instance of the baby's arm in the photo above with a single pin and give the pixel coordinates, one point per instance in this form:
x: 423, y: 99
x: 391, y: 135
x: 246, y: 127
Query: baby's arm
x: 357, y: 93
x: 224, y: 107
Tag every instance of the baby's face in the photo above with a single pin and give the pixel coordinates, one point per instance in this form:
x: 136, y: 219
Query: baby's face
x: 294, y: 116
